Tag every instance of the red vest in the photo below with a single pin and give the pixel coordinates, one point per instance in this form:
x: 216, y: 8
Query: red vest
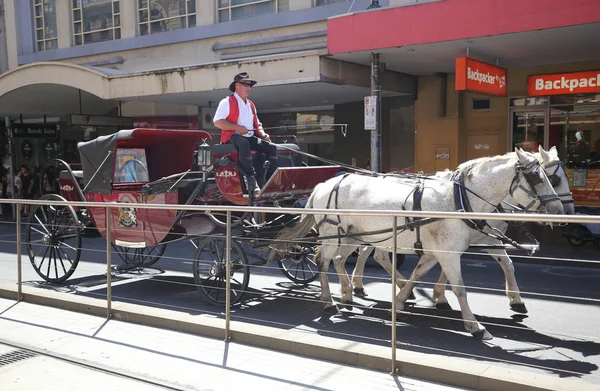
x: 234, y: 115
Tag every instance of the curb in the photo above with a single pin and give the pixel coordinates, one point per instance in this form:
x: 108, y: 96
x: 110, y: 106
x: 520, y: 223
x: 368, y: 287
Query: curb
x: 456, y: 372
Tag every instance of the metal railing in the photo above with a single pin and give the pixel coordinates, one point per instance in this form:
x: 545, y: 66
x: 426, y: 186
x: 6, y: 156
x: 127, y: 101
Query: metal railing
x: 537, y: 218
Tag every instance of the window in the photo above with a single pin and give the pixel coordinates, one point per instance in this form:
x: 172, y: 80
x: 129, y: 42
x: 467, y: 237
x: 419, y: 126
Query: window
x: 157, y: 16
x: 229, y: 10
x: 325, y: 2
x: 46, y: 37
x: 131, y: 166
x: 96, y: 21
x: 481, y: 104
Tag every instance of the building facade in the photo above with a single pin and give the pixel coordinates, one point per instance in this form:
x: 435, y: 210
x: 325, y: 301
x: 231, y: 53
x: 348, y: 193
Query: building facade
x: 515, y: 73
x: 83, y: 68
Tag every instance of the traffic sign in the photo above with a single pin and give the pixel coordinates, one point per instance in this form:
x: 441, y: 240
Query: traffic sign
x: 370, y: 110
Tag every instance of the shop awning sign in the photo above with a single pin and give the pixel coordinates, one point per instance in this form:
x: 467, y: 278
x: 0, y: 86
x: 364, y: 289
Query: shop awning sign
x: 35, y: 130
x: 564, y: 83
x: 477, y: 76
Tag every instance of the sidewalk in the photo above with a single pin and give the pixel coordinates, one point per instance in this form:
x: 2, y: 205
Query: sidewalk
x: 171, y: 360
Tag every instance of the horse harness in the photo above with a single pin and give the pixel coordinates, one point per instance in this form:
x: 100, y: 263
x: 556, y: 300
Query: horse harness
x: 461, y: 203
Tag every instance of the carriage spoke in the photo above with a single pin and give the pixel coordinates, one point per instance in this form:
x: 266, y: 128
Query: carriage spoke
x: 43, y: 226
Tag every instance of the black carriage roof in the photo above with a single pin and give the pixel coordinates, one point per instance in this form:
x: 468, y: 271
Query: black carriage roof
x: 100, y: 152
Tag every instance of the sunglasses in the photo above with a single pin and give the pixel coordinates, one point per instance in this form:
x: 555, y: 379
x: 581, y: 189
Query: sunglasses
x: 246, y: 84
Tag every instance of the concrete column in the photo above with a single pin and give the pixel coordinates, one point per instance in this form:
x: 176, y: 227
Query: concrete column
x: 128, y: 19
x: 300, y: 4
x: 3, y: 52
x: 205, y: 12
x: 63, y: 23
x: 12, y: 50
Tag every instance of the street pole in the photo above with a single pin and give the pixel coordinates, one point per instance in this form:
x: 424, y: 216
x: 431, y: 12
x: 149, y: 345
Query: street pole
x: 376, y: 134
x: 11, y: 166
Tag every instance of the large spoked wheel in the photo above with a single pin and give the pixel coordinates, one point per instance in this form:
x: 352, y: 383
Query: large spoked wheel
x: 141, y: 257
x: 300, y: 266
x: 210, y: 270
x: 53, y: 240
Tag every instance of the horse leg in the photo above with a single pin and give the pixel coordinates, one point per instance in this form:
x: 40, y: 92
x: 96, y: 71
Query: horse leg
x: 425, y: 263
x: 359, y: 269
x: 451, y: 265
x: 439, y: 294
x: 326, y: 253
x: 512, y: 289
x: 382, y: 257
x: 339, y: 262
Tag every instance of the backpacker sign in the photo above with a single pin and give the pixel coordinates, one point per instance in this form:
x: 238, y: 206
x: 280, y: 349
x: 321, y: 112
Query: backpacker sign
x: 476, y: 76
x: 564, y: 83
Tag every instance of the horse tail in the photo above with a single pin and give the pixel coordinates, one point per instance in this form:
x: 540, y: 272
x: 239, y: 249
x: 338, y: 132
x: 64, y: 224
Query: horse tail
x: 300, y: 230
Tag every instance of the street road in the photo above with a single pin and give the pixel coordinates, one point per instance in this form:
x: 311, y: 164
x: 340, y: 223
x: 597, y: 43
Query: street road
x: 559, y: 335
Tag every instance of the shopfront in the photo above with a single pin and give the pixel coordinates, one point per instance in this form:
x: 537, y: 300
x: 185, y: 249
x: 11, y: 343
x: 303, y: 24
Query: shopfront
x: 563, y: 111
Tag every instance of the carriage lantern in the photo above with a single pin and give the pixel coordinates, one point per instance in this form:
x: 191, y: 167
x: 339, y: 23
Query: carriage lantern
x: 203, y: 156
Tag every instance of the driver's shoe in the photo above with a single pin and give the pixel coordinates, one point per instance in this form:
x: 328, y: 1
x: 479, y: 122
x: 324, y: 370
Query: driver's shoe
x: 253, y: 187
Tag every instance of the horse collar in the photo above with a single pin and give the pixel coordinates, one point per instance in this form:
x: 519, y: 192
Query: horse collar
x: 461, y: 201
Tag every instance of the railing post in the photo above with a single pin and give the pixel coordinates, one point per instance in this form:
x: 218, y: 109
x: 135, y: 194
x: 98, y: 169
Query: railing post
x: 108, y: 265
x: 228, y: 278
x: 19, y: 266
x: 394, y: 249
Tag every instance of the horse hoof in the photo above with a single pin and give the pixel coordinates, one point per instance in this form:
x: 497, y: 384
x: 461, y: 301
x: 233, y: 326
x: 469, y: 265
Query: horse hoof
x: 519, y: 308
x: 482, y: 335
x: 401, y: 316
x: 443, y: 307
x: 360, y: 292
x: 331, y: 310
x: 346, y: 305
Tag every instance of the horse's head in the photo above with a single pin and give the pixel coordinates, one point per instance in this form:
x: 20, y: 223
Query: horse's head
x: 531, y: 186
x: 557, y: 175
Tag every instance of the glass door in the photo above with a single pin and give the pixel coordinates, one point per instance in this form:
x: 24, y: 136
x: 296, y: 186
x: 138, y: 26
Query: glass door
x: 528, y: 129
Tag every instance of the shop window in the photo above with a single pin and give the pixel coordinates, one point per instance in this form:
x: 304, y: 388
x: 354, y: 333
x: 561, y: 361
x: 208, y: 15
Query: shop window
x: 481, y: 104
x: 96, y: 21
x: 46, y: 37
x: 229, y: 10
x: 158, y: 16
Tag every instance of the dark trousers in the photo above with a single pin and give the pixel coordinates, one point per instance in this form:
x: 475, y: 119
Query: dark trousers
x: 245, y: 145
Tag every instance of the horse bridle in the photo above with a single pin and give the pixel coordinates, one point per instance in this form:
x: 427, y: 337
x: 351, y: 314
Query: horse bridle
x: 555, y: 181
x: 531, y: 174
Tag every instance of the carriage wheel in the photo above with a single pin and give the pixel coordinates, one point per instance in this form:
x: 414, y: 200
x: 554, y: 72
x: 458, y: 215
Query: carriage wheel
x: 142, y: 257
x: 300, y: 265
x: 210, y: 270
x: 53, y: 240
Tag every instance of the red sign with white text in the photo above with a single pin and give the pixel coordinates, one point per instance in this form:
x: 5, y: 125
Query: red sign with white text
x: 476, y: 76
x: 564, y: 83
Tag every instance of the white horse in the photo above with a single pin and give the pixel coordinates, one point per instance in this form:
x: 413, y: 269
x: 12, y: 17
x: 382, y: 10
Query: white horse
x: 491, y: 179
x: 558, y: 178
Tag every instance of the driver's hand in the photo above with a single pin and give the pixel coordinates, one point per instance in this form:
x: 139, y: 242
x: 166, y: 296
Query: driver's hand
x: 267, y: 137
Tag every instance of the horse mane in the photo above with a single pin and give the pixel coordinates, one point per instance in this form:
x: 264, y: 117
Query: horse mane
x: 483, y: 165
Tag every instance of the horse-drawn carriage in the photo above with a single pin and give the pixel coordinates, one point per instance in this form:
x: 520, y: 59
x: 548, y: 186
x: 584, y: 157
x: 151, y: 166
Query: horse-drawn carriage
x: 172, y: 167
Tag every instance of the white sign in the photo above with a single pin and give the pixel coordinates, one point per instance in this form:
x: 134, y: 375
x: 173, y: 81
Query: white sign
x: 370, y: 109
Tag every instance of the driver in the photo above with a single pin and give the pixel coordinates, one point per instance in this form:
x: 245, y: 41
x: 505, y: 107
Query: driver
x: 237, y: 119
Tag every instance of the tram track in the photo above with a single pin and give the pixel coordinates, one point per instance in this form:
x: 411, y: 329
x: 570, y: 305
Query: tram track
x: 25, y: 351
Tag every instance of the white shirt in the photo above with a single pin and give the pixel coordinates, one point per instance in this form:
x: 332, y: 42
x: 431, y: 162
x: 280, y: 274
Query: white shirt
x: 246, y: 117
